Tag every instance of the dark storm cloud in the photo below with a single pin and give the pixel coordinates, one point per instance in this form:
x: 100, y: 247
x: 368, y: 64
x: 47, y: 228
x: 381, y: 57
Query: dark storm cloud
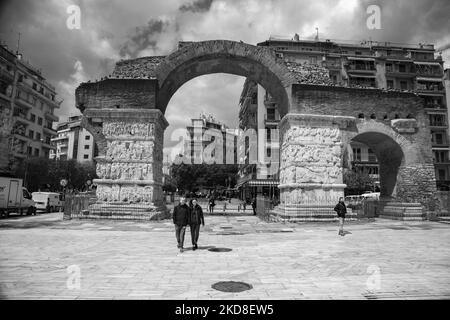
x: 143, y: 38
x: 197, y: 6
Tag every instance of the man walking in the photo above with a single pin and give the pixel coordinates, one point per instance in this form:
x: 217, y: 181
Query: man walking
x: 195, y: 219
x: 180, y: 219
x: 341, y: 210
x: 254, y: 206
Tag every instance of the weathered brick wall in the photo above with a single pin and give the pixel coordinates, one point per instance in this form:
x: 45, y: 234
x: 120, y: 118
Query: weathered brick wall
x: 117, y: 93
x: 417, y: 183
x: 342, y: 101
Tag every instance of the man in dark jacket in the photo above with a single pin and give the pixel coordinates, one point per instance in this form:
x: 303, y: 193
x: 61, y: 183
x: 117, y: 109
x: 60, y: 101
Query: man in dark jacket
x: 195, y: 219
x: 254, y: 206
x: 181, y: 218
x: 341, y: 210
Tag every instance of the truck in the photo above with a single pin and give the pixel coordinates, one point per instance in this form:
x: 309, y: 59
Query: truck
x: 48, y: 201
x: 15, y: 198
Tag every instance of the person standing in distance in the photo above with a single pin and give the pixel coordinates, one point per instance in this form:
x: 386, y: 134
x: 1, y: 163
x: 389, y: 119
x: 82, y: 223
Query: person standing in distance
x: 181, y: 215
x: 341, y: 210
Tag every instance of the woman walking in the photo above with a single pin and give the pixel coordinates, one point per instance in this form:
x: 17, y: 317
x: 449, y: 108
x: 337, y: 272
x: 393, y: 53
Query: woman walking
x: 341, y: 210
x: 195, y: 219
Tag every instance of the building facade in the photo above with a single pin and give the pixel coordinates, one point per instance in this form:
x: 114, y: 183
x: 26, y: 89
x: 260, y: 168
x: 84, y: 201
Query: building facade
x: 27, y: 105
x: 383, y: 65
x: 209, y: 141
x: 73, y: 142
x: 259, y: 143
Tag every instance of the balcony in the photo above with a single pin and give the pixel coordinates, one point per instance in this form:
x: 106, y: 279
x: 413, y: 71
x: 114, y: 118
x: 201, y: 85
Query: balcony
x: 361, y: 68
x: 50, y: 130
x: 270, y: 121
x: 46, y: 145
x: 51, y: 117
x: 24, y: 103
x: 20, y: 154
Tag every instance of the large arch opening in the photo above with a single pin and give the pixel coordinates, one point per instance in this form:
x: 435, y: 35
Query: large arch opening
x: 264, y: 75
x: 257, y: 64
x: 389, y: 156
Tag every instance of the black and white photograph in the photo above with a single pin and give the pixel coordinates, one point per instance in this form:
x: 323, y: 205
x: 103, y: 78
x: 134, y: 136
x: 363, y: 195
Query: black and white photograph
x: 224, y: 156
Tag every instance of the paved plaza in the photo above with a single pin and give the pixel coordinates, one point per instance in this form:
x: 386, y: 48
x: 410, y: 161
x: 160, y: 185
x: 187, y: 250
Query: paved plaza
x: 44, y: 257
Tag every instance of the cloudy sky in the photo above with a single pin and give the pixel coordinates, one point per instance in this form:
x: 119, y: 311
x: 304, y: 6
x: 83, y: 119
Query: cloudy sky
x: 116, y: 29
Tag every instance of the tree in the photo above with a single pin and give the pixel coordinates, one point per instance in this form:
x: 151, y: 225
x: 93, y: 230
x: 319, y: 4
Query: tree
x: 191, y: 178
x: 41, y: 173
x: 357, y: 182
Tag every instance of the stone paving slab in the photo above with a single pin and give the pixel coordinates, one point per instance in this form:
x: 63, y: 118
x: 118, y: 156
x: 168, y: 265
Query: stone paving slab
x: 382, y: 259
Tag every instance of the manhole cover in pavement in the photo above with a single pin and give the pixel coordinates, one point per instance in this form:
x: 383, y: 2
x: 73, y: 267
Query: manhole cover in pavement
x: 231, y: 286
x: 220, y: 249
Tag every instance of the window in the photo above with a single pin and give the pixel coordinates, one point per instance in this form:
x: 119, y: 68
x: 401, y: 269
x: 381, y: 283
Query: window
x: 438, y: 138
x: 372, y: 156
x: 32, y: 118
x: 254, y: 98
x: 437, y: 120
x: 20, y: 78
x: 36, y: 152
x: 87, y: 137
x: 86, y: 156
x: 401, y: 68
x: 270, y: 114
x: 34, y: 86
x: 441, y: 174
x: 390, y: 84
x: 86, y: 147
x: 269, y: 152
x: 268, y: 134
x: 356, y: 154
x: 29, y: 151
x: 40, y: 121
x: 31, y: 134
x: 440, y: 156
x: 403, y: 85
x: 38, y: 136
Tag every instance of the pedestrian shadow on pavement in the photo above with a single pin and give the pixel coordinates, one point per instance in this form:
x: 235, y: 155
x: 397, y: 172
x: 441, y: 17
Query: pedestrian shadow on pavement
x: 199, y: 248
x: 346, y: 233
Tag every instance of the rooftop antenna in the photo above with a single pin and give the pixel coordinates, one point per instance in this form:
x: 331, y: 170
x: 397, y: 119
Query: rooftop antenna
x: 317, y: 34
x: 18, y: 43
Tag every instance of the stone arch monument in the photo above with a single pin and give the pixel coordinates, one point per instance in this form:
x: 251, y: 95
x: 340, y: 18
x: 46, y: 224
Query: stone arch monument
x: 125, y: 113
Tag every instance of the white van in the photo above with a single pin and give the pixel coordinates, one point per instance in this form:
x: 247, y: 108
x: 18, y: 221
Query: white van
x: 371, y: 195
x: 14, y: 197
x: 48, y: 201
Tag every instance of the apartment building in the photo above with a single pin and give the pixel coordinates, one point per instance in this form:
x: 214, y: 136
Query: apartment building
x: 27, y: 105
x: 73, y: 142
x: 204, y: 133
x: 390, y: 66
x: 259, y: 143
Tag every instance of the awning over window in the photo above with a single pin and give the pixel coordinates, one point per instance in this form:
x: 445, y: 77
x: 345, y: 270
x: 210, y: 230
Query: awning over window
x: 429, y: 79
x: 361, y: 58
x: 362, y: 76
x: 261, y: 182
x: 427, y: 63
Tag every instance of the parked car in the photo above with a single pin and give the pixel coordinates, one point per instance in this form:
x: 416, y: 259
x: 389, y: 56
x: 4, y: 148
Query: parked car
x: 48, y: 201
x: 14, y: 197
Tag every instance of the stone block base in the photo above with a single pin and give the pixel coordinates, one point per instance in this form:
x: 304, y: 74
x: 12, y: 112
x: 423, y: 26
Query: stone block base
x: 125, y: 211
x: 403, y: 211
x: 309, y: 213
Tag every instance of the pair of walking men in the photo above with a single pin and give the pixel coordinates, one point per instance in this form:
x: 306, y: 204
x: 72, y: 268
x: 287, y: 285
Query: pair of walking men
x: 184, y: 215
